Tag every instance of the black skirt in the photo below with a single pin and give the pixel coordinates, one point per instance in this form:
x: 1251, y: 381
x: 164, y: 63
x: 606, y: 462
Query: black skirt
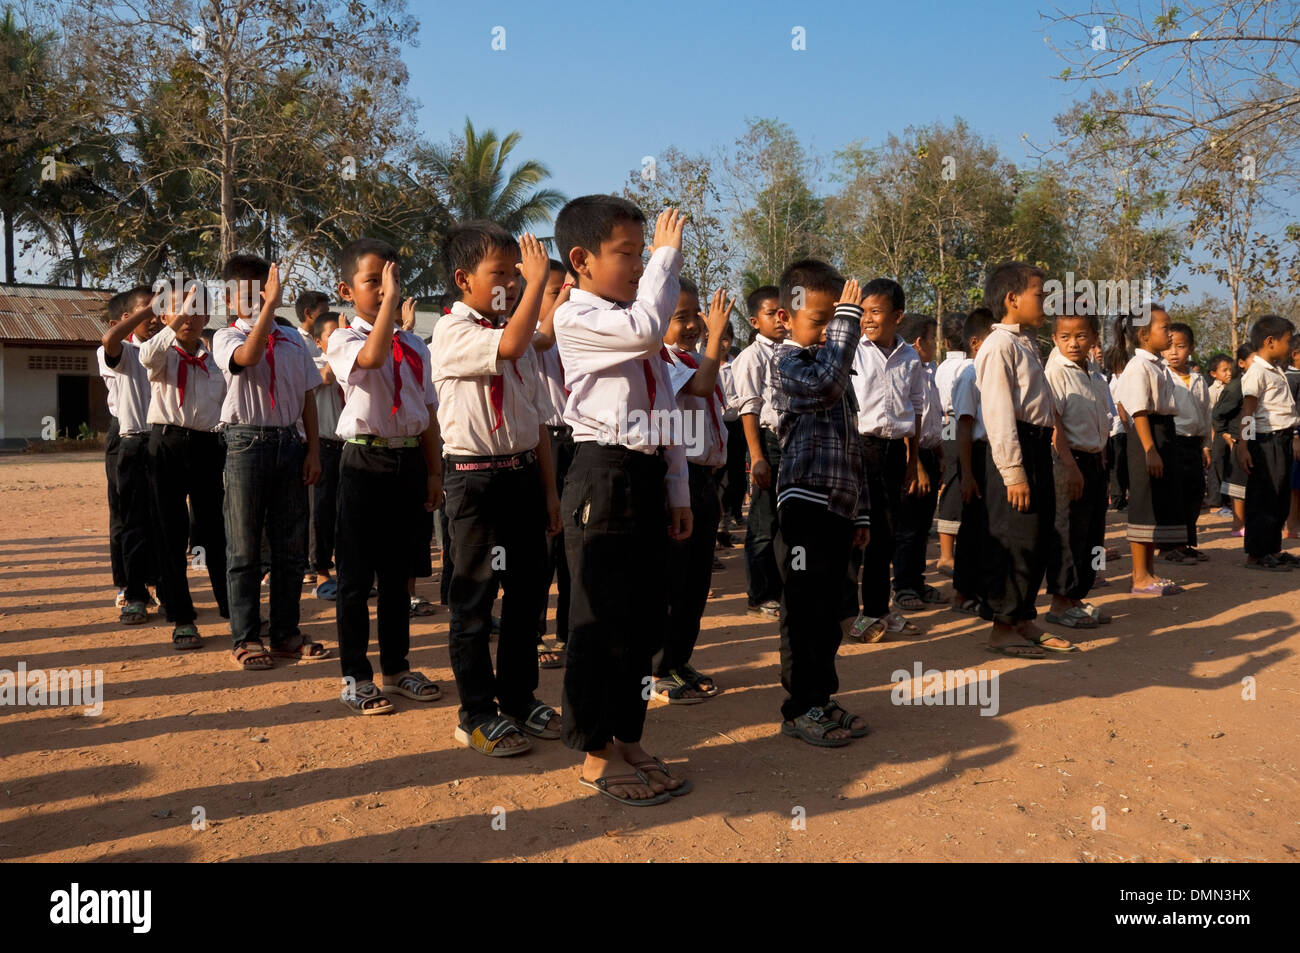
x: 950, y: 491
x: 1155, y: 505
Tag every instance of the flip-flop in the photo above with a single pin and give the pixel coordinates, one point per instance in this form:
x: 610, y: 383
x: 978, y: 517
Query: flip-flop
x: 1005, y: 650
x: 1041, y: 642
x: 655, y: 764
x: 1156, y: 588
x: 329, y: 590
x: 305, y: 651
x: 601, y: 786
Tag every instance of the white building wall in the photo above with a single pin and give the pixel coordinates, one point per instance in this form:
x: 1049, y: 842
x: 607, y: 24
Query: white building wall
x: 30, y: 395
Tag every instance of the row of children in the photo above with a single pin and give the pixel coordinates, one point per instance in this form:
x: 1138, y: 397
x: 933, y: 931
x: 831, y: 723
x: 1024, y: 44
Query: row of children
x: 841, y: 416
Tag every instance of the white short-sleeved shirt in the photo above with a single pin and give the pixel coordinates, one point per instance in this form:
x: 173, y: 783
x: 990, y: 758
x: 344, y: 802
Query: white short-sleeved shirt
x: 966, y: 401
x: 370, y: 395
x: 945, y: 375
x: 1276, y: 409
x: 931, y: 410
x: 551, y: 377
x: 608, y: 349
x: 248, y: 389
x: 1013, y: 388
x: 1191, y: 405
x: 753, y: 376
x: 109, y: 378
x: 890, y: 389
x: 329, y: 402
x: 309, y: 342
x: 468, y: 374
x: 205, y: 385
x: 706, y: 432
x: 1145, y: 386
x: 133, y: 390
x: 1116, y: 422
x: 727, y: 381
x: 1081, y: 400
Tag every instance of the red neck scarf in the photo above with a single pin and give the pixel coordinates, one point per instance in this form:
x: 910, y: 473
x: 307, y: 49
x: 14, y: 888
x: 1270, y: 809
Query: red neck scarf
x: 689, y: 360
x: 646, y: 369
x: 270, y: 361
x: 403, y: 352
x: 497, y: 387
x: 183, y: 369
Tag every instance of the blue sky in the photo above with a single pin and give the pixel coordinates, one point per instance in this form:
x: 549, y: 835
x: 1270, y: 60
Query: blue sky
x: 594, y: 86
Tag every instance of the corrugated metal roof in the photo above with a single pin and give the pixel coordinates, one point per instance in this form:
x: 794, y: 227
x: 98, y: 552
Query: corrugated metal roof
x: 54, y: 315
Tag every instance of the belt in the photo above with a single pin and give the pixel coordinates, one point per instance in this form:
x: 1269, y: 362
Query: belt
x: 258, y: 428
x: 1263, y: 435
x: 515, y: 462
x: 175, y: 428
x: 876, y: 439
x: 390, y: 443
x: 1035, y: 430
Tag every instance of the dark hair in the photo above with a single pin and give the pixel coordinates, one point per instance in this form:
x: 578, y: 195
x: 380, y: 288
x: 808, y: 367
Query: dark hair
x: 324, y: 319
x: 468, y: 244
x: 810, y: 274
x: 1010, y: 278
x: 1178, y: 327
x: 1116, y: 356
x: 1215, y: 361
x: 1093, y: 323
x: 1269, y: 326
x: 246, y: 268
x: 588, y: 220
x: 954, y: 338
x: 915, y: 326
x: 888, y: 288
x: 350, y: 255
x: 122, y: 302
x: 1244, y: 351
x: 754, y: 300
x: 309, y: 301
x: 688, y: 286
x: 978, y: 325
x: 557, y: 265
x: 727, y: 331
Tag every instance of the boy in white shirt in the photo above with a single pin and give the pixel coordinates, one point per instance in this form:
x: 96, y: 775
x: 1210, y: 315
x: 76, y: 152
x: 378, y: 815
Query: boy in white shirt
x: 499, y: 482
x: 694, y: 380
x: 945, y: 375
x: 120, y: 345
x: 310, y: 306
x: 389, y: 476
x: 1268, y: 444
x: 890, y: 387
x: 269, y: 464
x: 731, y: 476
x: 324, y: 495
x: 186, y: 457
x: 617, y: 522
x: 753, y: 375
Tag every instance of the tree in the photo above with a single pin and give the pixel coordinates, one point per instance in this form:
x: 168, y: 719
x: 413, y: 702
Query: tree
x: 687, y: 183
x: 473, y: 169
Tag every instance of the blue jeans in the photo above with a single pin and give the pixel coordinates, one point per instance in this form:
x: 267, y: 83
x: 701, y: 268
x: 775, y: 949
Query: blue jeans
x: 264, y: 491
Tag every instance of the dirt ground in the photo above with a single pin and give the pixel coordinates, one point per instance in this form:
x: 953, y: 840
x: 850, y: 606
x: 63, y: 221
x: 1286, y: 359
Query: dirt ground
x: 1145, y: 746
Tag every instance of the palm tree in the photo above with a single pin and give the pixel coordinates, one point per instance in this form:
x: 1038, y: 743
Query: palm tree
x: 478, y: 186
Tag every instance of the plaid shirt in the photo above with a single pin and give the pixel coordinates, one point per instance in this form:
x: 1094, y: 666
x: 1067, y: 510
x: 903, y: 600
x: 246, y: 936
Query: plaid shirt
x: 821, y: 455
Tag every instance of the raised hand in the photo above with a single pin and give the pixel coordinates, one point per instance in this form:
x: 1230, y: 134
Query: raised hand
x: 391, y: 280
x: 534, y: 264
x: 273, y: 290
x: 668, y: 230
x: 408, y: 314
x: 719, y: 314
x: 852, y: 293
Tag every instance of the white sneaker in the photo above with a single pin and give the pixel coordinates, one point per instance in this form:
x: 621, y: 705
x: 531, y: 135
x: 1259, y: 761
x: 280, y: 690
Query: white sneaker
x: 121, y: 599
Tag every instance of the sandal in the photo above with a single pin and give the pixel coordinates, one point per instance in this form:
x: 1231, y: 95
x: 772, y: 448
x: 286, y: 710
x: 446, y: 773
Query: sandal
x: 1017, y: 650
x: 134, y: 613
x: 415, y: 686
x: 1193, y: 553
x: 251, y: 656
x: 813, y: 727
x: 1075, y: 617
x: 655, y: 764
x: 697, y: 680
x: 1174, y: 555
x: 601, y: 786
x: 186, y: 636
x: 867, y: 629
x: 542, y: 721
x: 908, y: 599
x: 672, y: 688
x: 932, y: 596
x: 1043, y: 638
x: 486, y: 738
x: 304, y: 651
x: 895, y: 623
x: 329, y: 589
x: 367, y: 699
x: 557, y: 656
x: 845, y: 719
x: 1286, y: 559
x: 1101, y: 617
x: 1265, y: 564
x: 968, y: 606
x: 422, y: 607
x: 1158, y: 587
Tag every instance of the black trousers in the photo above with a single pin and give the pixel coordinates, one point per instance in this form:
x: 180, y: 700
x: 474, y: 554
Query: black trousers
x: 968, y: 554
x: 1072, y: 561
x: 1117, y: 463
x: 557, y: 567
x: 1268, y: 492
x: 690, y: 573
x: 731, y: 475
x: 497, y: 519
x: 325, y: 507
x: 1017, y: 546
x: 912, y: 534
x: 615, y: 514
x: 444, y: 578
x: 112, y: 443
x: 1221, y: 465
x: 885, y: 466
x: 188, y: 465
x: 814, y: 547
x: 377, y: 529
x: 762, y: 529
x: 139, y: 526
x: 1191, y: 474
x: 949, y: 509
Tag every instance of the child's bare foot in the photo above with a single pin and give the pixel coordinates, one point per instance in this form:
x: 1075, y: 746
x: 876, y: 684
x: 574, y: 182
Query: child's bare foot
x: 609, y: 762
x: 638, y: 757
x: 1005, y: 640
